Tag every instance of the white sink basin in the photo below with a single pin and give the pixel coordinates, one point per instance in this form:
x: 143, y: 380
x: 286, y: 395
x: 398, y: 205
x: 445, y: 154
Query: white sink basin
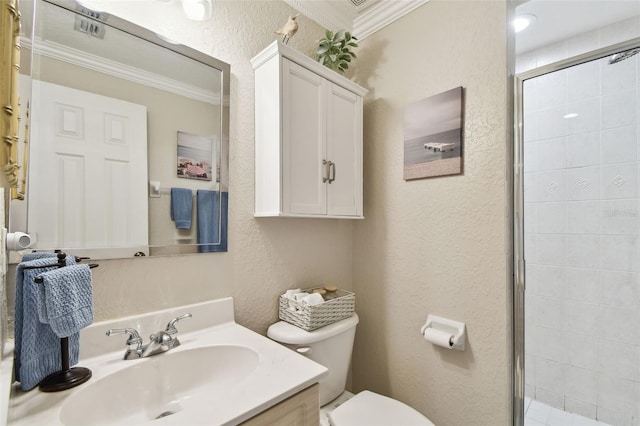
x: 159, y: 386
x: 221, y: 374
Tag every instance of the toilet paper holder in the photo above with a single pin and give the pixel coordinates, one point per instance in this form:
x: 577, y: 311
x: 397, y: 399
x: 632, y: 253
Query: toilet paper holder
x: 456, y: 332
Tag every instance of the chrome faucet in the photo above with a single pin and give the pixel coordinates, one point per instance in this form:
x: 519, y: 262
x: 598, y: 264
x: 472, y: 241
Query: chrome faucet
x: 159, y: 342
x: 165, y: 340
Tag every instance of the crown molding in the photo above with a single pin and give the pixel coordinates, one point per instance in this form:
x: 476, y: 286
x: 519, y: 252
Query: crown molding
x: 381, y: 15
x: 279, y: 48
x: 365, y: 23
x: 323, y: 13
x: 116, y: 69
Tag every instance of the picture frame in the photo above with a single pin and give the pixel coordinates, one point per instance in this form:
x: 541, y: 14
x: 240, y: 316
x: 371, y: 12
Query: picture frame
x: 195, y: 157
x: 433, y: 144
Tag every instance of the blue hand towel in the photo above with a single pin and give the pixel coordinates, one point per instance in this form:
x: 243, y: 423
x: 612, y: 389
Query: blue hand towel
x: 42, y: 305
x: 47, y: 258
x: 69, y: 299
x: 181, y: 206
x: 37, y: 348
x: 38, y: 255
x: 42, y: 312
x: 208, y: 212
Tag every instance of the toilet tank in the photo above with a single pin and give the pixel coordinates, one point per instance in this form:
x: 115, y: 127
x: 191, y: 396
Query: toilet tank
x: 330, y: 346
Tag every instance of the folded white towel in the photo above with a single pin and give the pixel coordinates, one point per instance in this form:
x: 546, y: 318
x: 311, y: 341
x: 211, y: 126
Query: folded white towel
x: 295, y: 299
x: 289, y: 293
x: 299, y: 296
x: 313, y: 299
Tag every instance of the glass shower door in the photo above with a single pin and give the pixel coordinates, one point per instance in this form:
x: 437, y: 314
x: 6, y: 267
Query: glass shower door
x: 580, y: 210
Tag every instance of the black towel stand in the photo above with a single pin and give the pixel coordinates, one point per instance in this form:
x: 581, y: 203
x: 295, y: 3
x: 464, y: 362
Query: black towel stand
x: 67, y: 377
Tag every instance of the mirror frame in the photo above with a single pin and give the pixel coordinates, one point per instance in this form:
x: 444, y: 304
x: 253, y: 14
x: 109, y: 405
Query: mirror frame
x: 149, y: 36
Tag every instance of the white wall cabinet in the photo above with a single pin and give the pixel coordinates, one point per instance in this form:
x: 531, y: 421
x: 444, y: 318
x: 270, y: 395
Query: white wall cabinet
x: 308, y: 123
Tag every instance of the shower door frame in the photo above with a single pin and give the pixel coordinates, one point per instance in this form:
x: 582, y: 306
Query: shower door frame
x: 518, y: 209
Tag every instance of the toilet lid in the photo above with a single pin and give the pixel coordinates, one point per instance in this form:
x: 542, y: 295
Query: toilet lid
x: 371, y: 409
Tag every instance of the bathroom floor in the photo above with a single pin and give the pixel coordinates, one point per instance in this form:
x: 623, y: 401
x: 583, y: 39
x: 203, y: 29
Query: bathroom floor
x: 539, y: 414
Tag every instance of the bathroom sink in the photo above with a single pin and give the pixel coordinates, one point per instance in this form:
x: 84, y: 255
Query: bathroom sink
x: 159, y: 386
x: 221, y: 374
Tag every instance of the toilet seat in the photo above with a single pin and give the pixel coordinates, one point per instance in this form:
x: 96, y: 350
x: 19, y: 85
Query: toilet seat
x: 371, y: 409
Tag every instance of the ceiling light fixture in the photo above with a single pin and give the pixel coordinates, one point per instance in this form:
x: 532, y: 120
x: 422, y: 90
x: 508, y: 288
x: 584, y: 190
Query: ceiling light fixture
x: 521, y: 22
x: 571, y: 115
x: 197, y: 10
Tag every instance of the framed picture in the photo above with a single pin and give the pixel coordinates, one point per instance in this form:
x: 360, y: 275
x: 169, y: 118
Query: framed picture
x: 195, y: 156
x: 433, y: 136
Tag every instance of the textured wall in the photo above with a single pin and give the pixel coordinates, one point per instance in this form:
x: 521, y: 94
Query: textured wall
x: 440, y: 245
x: 265, y: 256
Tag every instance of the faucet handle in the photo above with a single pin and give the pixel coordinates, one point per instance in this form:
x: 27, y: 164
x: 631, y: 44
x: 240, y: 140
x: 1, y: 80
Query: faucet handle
x: 134, y: 342
x: 171, y: 327
x: 134, y: 337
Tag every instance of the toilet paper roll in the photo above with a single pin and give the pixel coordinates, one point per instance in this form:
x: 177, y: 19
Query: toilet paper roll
x: 438, y: 337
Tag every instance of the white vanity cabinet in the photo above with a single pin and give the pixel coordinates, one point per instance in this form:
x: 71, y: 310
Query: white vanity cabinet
x: 308, y: 142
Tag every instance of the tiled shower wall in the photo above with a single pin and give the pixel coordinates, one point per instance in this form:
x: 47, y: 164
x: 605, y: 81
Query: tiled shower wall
x: 581, y: 230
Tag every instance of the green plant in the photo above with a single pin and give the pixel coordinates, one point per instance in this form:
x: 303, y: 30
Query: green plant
x: 334, y: 50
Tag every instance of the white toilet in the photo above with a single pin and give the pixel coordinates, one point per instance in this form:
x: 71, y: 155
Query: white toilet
x: 331, y: 346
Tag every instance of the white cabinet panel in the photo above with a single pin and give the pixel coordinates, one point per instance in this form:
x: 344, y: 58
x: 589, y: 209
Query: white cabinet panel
x: 303, y: 141
x: 344, y: 127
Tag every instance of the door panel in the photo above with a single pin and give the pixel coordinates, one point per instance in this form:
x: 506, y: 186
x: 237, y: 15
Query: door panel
x: 91, y: 167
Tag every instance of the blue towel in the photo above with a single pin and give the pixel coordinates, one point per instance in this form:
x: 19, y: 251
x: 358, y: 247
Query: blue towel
x: 181, y: 206
x: 37, y: 348
x: 42, y: 314
x: 43, y: 317
x: 68, y: 298
x: 208, y: 212
x: 38, y: 255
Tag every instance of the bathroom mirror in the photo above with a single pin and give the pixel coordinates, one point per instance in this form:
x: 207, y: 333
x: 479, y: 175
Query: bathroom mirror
x: 115, y: 116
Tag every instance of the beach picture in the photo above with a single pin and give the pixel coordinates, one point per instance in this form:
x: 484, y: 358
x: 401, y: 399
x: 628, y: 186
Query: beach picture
x: 433, y: 136
x: 195, y: 156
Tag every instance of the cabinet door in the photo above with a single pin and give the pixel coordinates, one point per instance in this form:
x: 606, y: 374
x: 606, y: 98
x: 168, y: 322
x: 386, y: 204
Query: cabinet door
x: 302, y: 409
x: 344, y: 149
x: 303, y: 140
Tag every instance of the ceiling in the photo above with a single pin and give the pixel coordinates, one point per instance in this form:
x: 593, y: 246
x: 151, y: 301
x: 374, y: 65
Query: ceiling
x: 361, y: 17
x: 560, y: 19
x: 556, y: 19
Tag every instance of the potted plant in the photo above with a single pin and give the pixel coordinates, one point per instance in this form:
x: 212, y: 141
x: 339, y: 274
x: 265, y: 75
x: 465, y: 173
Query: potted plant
x: 334, y: 50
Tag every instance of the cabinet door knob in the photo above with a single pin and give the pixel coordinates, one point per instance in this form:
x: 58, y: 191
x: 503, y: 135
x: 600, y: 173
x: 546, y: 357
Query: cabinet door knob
x: 332, y: 171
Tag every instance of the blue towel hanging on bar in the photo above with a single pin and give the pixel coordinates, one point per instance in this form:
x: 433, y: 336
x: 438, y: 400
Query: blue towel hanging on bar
x: 181, y: 207
x: 212, y: 220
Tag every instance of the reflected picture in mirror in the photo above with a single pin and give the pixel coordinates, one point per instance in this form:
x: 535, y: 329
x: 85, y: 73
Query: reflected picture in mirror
x: 110, y: 105
x: 195, y: 159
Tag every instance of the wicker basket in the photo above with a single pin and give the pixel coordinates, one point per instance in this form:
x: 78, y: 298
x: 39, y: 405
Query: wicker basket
x: 312, y: 317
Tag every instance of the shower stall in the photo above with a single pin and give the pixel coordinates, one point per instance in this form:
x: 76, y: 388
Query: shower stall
x: 577, y: 246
